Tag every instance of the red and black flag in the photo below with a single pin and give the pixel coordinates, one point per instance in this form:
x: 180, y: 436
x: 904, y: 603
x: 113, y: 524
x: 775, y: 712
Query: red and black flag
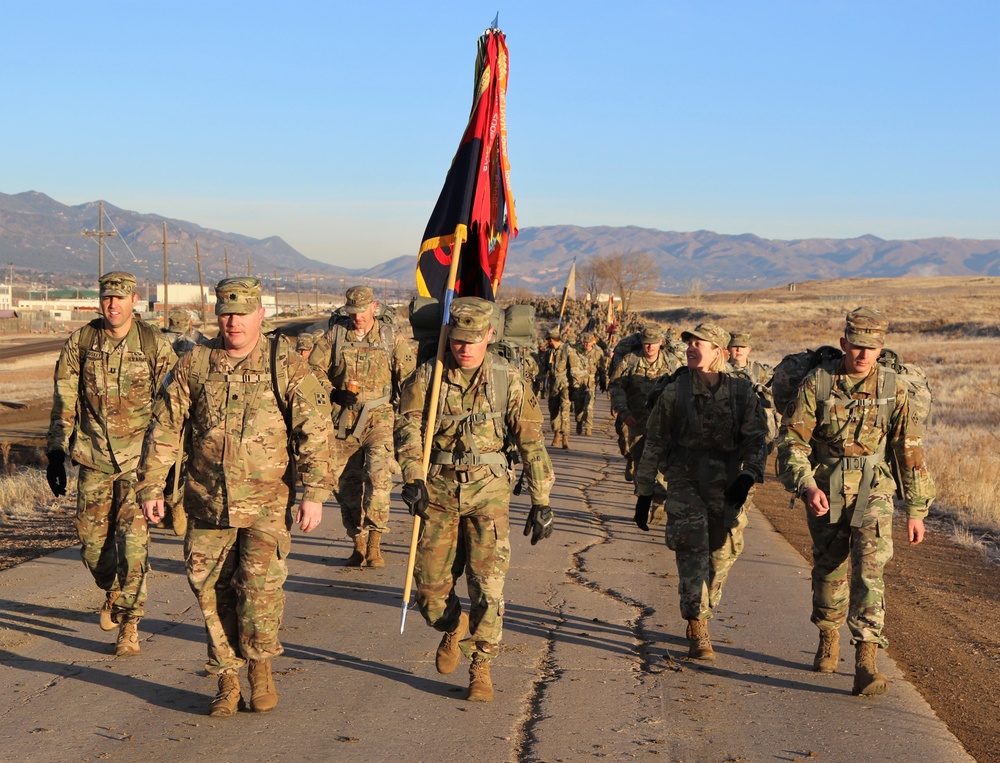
x: 476, y: 191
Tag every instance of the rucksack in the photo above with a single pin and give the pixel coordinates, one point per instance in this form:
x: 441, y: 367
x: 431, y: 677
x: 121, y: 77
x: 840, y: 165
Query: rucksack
x: 336, y: 331
x: 793, y: 369
x: 917, y: 385
x: 623, y: 349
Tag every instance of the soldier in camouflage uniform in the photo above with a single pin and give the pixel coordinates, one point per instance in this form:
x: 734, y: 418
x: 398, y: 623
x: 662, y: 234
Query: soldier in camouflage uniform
x: 183, y: 336
x: 240, y: 483
x: 833, y: 455
x: 464, y: 497
x: 106, y: 378
x: 366, y: 362
x: 563, y: 372
x: 593, y: 360
x: 630, y: 384
x: 706, y: 440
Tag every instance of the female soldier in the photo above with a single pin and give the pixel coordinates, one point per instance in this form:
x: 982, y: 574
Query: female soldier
x: 706, y: 440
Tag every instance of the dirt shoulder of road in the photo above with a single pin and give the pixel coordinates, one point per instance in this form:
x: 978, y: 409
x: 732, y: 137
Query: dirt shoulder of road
x: 942, y: 621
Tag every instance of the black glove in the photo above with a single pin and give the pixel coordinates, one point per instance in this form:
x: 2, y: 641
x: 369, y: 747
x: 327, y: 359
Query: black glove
x: 55, y: 472
x: 344, y: 397
x: 736, y: 493
x: 416, y: 499
x: 539, y: 524
x: 642, y: 504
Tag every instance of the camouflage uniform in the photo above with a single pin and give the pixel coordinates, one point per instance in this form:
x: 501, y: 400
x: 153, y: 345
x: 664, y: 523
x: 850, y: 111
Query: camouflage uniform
x: 593, y: 361
x: 469, y: 528
x: 629, y: 385
x: 698, y: 442
x: 100, y: 410
x: 240, y: 480
x: 182, y: 335
x: 362, y: 448
x: 832, y: 444
x: 563, y: 370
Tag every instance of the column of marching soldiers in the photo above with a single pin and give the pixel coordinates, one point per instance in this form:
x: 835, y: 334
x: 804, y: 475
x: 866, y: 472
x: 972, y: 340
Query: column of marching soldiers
x: 233, y: 440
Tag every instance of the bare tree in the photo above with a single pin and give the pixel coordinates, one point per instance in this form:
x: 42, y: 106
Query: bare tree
x: 593, y: 277
x: 631, y: 271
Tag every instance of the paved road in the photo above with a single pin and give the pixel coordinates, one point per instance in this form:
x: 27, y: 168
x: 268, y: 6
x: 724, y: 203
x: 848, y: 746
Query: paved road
x: 583, y: 674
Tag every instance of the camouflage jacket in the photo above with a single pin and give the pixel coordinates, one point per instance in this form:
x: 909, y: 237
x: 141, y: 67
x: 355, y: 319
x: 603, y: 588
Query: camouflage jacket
x: 632, y: 380
x: 380, y: 373
x: 563, y: 369
x: 759, y: 375
x: 102, y: 408
x: 811, y: 438
x: 238, y: 458
x: 521, y: 421
x: 593, y: 363
x: 717, y: 434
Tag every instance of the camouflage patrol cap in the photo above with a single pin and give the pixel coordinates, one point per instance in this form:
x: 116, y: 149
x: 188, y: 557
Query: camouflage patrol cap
x: 179, y: 319
x: 866, y: 327
x: 117, y: 283
x: 740, y: 339
x: 469, y: 319
x: 554, y: 333
x: 240, y: 296
x: 358, y: 299
x: 651, y: 334
x: 710, y: 332
x: 588, y: 339
x: 305, y: 341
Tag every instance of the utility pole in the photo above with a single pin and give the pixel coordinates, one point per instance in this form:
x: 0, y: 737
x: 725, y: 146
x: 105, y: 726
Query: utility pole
x: 298, y: 293
x: 277, y: 307
x: 99, y: 234
x: 316, y: 283
x: 248, y: 264
x: 226, y: 249
x: 166, y: 277
x: 201, y: 284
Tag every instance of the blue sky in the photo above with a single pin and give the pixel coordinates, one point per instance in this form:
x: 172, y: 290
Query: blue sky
x: 332, y: 125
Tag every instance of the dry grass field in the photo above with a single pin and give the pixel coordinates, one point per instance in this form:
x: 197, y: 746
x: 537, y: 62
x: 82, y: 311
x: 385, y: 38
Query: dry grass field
x: 948, y: 326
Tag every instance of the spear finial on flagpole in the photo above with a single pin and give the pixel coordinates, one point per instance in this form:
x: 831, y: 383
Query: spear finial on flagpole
x: 496, y: 21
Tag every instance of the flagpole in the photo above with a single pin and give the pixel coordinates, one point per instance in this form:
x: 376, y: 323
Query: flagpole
x: 461, y: 232
x: 565, y: 296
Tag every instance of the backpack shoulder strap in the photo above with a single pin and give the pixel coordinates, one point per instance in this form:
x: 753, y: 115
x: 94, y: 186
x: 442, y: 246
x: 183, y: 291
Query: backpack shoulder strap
x: 683, y: 408
x: 147, y: 343
x: 201, y: 356
x: 278, y: 361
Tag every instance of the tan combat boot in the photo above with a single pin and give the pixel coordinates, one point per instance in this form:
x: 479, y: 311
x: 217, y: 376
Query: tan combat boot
x: 828, y: 652
x: 868, y: 682
x: 480, y: 683
x: 556, y: 439
x: 565, y: 441
x: 448, y: 652
x: 228, y: 701
x: 263, y: 695
x: 127, y: 644
x: 700, y: 646
x: 179, y: 520
x: 108, y: 622
x: 629, y: 469
x: 373, y: 557
x: 657, y: 514
x: 357, y: 559
x: 588, y: 431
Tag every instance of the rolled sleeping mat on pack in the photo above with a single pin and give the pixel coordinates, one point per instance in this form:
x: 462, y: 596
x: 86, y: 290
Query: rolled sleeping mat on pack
x: 519, y: 326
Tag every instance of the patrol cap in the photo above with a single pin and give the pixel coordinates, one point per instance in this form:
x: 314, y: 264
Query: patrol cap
x: 304, y: 341
x: 117, y: 283
x: 470, y: 319
x: 554, y: 333
x: 588, y: 338
x: 710, y: 332
x: 358, y: 299
x: 740, y: 339
x: 178, y: 318
x: 239, y: 296
x: 866, y: 327
x: 651, y: 334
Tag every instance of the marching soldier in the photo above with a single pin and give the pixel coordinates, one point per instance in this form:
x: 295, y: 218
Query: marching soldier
x: 848, y: 416
x: 593, y: 360
x: 257, y: 416
x: 563, y: 369
x: 106, y: 378
x: 464, y: 498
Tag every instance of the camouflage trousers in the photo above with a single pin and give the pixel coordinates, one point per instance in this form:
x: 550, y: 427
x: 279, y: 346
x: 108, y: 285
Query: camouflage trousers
x: 631, y: 437
x: 114, y: 536
x: 848, y: 565
x: 560, y: 411
x: 237, y: 575
x: 468, y: 531
x: 706, y: 539
x: 362, y: 475
x: 584, y: 405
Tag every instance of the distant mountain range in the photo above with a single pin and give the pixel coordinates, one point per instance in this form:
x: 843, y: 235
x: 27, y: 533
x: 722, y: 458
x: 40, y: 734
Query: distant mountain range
x: 41, y: 235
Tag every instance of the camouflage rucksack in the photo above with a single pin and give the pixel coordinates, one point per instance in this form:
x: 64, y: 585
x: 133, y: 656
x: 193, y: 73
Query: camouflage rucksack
x: 917, y: 384
x: 792, y: 369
